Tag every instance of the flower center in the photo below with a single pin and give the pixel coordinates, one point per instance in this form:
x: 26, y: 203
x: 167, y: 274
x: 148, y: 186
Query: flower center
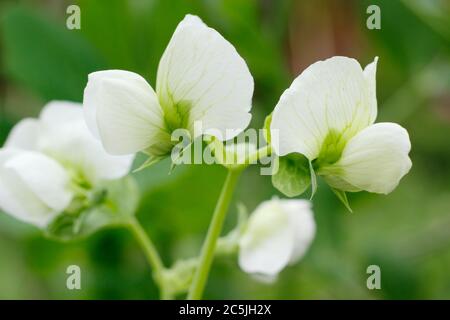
x: 331, y: 149
x: 176, y: 114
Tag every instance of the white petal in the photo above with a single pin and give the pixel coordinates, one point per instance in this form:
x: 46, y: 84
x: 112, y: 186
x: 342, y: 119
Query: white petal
x: 376, y: 159
x: 125, y: 109
x: 60, y: 113
x: 201, y: 69
x: 97, y: 164
x: 91, y: 94
x: 44, y: 176
x: 370, y: 73
x: 336, y: 182
x: 302, y: 218
x: 66, y: 137
x: 268, y: 242
x: 265, y: 278
x: 24, y: 135
x: 329, y: 95
x: 32, y: 187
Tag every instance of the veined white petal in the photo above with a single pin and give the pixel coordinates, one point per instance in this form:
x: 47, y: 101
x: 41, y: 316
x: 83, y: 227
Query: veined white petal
x: 91, y: 93
x: 330, y: 95
x: 302, y: 218
x: 203, y: 73
x: 126, y: 110
x: 376, y: 158
x: 268, y: 242
x: 24, y: 135
x: 32, y: 186
x: 65, y: 136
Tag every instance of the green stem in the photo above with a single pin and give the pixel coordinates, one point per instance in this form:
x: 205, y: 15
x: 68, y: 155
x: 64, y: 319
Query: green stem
x: 151, y: 254
x: 265, y: 151
x: 215, y: 228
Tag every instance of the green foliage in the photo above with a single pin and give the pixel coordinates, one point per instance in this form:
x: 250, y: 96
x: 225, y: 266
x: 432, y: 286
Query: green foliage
x: 46, y: 57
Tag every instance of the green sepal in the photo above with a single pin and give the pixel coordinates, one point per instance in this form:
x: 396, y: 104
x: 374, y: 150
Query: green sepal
x: 313, y: 180
x: 111, y: 204
x: 180, y: 155
x: 151, y: 160
x: 342, y: 196
x: 223, y: 155
x: 266, y: 128
x: 177, y: 279
x: 292, y: 177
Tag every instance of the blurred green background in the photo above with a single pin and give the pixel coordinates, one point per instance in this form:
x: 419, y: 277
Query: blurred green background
x: 406, y: 233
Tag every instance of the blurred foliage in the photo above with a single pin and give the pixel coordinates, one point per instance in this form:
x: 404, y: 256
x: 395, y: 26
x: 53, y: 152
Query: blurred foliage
x: 405, y: 233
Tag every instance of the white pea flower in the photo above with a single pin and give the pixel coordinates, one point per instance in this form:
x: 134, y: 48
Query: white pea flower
x: 278, y: 234
x: 46, y: 162
x: 328, y: 115
x: 201, y: 78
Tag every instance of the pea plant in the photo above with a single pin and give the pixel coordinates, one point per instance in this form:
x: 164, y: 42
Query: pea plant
x: 68, y: 171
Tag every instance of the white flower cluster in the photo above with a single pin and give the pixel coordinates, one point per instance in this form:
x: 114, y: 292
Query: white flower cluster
x: 46, y: 161
x: 327, y: 115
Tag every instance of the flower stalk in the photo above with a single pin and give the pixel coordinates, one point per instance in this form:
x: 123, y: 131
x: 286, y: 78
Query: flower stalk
x: 152, y: 256
x: 215, y: 228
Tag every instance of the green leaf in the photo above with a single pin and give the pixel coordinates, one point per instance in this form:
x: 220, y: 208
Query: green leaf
x: 293, y: 176
x: 111, y: 205
x: 342, y: 196
x: 45, y: 56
